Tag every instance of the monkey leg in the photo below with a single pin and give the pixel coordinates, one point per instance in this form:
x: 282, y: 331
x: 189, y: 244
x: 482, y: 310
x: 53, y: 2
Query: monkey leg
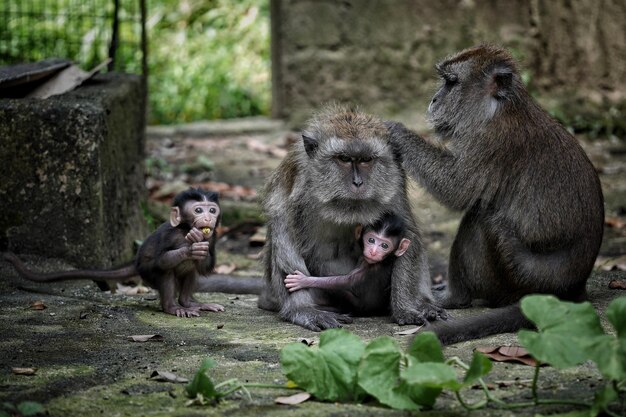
x: 167, y: 291
x: 186, y: 299
x: 471, y: 272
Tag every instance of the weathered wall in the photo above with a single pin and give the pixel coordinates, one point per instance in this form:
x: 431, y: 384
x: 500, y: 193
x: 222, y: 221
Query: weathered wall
x: 72, y: 172
x: 381, y: 53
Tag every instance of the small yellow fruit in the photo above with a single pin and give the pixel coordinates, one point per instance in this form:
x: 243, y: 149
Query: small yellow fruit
x: 206, y: 230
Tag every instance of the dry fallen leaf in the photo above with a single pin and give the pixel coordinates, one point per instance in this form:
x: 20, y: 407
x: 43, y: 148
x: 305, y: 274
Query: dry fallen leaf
x: 508, y: 354
x: 38, y: 305
x: 146, y: 338
x: 615, y: 222
x: 409, y: 331
x: 293, y: 399
x: 617, y: 284
x: 24, y: 371
x: 164, y: 376
x: 225, y: 268
x: 308, y: 342
x: 611, y: 264
x: 132, y: 289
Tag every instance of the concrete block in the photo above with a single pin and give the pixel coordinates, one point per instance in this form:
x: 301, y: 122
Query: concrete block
x: 72, y: 175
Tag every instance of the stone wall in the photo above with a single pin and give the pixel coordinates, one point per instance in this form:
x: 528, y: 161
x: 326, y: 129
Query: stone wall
x: 72, y: 172
x: 381, y: 53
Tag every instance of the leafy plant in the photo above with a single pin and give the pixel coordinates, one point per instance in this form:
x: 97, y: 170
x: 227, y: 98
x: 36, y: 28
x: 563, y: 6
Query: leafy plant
x: 23, y: 409
x: 344, y: 368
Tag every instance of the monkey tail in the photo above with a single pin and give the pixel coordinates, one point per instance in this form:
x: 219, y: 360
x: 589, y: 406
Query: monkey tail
x: 117, y: 274
x: 229, y: 284
x: 498, y: 320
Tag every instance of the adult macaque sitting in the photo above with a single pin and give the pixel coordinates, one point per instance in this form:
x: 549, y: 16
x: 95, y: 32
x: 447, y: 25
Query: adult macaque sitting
x: 366, y: 290
x: 170, y: 260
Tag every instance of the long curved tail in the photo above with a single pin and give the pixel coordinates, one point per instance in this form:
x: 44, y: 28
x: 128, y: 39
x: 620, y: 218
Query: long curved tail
x: 495, y: 321
x: 230, y: 284
x: 117, y: 274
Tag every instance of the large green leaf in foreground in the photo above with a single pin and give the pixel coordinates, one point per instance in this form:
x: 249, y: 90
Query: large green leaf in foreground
x: 329, y: 372
x: 569, y: 334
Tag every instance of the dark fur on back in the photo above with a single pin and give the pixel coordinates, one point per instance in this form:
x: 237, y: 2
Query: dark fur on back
x: 532, y: 202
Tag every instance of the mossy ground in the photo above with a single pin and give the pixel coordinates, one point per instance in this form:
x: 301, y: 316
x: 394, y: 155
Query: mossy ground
x: 86, y: 366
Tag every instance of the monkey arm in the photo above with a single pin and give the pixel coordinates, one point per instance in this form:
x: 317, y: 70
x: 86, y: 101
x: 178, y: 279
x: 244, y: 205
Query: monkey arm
x: 171, y: 258
x: 298, y: 280
x: 450, y: 180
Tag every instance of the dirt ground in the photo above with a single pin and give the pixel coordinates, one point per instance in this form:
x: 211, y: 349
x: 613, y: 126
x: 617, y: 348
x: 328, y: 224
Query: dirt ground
x: 79, y: 343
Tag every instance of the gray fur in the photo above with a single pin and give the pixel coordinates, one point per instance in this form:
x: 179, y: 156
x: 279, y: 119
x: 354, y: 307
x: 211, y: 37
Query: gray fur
x: 532, y: 200
x: 312, y: 212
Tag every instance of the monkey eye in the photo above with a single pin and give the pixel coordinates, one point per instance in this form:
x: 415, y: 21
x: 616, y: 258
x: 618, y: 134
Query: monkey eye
x: 344, y: 158
x: 450, y: 79
x: 385, y: 246
x: 212, y: 210
x: 371, y: 240
x: 366, y: 160
x: 198, y: 210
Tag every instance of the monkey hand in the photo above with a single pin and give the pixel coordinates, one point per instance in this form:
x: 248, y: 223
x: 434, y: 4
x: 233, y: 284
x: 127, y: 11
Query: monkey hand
x: 195, y: 235
x: 199, y: 250
x: 296, y: 281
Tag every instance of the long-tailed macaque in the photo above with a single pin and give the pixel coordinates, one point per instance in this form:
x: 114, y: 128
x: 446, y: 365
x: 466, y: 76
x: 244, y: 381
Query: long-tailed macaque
x: 343, y: 173
x: 366, y: 289
x: 532, y: 202
x: 170, y: 260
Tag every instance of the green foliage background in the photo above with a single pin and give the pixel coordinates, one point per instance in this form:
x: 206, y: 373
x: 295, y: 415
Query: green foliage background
x: 208, y: 59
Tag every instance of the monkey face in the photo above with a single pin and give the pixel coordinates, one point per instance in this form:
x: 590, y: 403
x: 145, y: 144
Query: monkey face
x: 476, y: 85
x: 355, y: 178
x: 376, y: 247
x: 203, y: 215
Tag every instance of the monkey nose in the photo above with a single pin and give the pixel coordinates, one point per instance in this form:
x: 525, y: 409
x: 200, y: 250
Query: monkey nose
x: 357, y: 182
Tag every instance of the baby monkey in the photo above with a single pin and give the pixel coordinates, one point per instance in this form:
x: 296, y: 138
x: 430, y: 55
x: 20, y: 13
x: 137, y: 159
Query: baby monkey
x: 365, y: 290
x: 170, y: 260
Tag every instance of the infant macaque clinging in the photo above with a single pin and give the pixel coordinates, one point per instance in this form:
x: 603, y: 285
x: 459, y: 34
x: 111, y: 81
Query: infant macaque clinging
x: 366, y: 289
x: 170, y: 260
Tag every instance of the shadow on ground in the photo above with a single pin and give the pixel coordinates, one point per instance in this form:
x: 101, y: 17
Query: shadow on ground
x: 86, y: 365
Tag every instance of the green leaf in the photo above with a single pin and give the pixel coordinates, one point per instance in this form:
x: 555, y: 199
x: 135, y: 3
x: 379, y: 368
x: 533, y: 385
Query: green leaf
x: 602, y: 400
x: 30, y: 408
x: 430, y: 374
x: 426, y: 348
x: 480, y: 366
x: 201, y: 383
x: 329, y: 372
x: 4, y: 414
x: 379, y: 374
x: 616, y: 313
x: 566, y: 330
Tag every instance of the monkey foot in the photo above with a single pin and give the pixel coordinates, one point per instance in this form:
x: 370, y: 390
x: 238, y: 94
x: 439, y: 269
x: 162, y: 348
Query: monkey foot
x: 183, y: 312
x: 317, y: 320
x: 426, y: 312
x: 209, y: 307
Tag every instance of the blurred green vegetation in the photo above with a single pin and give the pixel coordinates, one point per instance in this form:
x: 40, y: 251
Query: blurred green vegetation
x: 207, y: 59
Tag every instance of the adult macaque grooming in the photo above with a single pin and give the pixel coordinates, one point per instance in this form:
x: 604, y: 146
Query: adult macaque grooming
x: 170, y: 260
x: 533, y: 205
x: 366, y: 289
x: 342, y: 174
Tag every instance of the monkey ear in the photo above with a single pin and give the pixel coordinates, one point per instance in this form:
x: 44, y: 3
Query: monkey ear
x: 175, y: 216
x: 310, y: 144
x: 357, y: 231
x: 402, y: 247
x: 501, y: 81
